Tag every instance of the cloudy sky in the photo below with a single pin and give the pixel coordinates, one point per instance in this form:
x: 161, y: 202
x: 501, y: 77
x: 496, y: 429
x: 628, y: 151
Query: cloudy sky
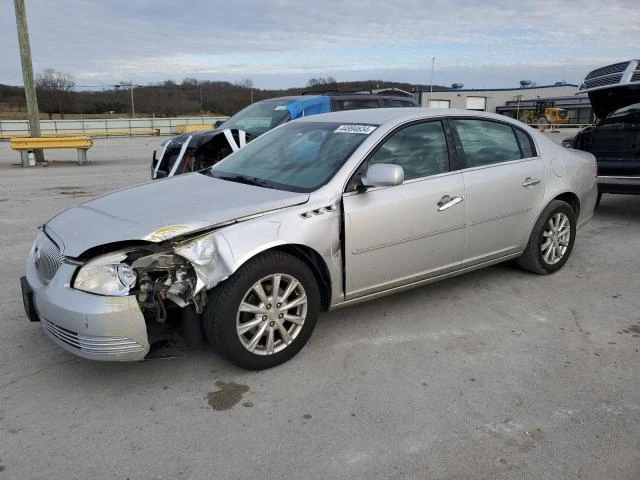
x: 284, y: 43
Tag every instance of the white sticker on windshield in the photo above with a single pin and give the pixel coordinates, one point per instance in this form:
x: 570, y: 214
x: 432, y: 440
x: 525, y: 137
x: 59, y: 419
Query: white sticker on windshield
x: 363, y: 129
x: 281, y: 107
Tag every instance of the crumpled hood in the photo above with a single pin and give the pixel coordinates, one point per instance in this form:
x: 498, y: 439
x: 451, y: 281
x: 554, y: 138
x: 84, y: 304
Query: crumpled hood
x: 161, y: 210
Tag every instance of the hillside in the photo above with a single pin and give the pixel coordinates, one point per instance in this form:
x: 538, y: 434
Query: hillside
x: 169, y: 99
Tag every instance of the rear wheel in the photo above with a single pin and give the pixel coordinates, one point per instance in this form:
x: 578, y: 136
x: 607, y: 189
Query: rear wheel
x: 551, y: 240
x: 265, y: 313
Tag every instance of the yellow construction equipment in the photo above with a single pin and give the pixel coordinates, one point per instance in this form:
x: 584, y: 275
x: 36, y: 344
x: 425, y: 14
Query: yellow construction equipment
x: 544, y: 113
x: 25, y: 145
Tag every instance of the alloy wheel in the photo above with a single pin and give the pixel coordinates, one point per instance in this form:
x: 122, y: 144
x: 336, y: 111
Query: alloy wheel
x: 271, y: 314
x: 556, y: 237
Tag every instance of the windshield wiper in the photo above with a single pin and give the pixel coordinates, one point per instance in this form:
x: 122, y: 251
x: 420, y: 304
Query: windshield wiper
x: 258, y: 182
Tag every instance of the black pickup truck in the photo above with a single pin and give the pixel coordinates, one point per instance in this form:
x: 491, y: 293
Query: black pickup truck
x: 614, y: 139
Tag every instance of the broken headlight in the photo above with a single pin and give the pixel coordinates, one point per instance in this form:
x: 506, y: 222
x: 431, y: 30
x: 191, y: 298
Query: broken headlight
x: 106, y: 275
x: 201, y: 250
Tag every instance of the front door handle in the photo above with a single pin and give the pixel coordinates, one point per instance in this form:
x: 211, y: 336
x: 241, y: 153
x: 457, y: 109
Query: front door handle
x: 530, y: 182
x: 448, y: 202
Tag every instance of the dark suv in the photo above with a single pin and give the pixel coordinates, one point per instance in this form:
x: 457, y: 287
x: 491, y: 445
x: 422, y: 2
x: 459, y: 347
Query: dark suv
x: 614, y: 139
x: 198, y: 150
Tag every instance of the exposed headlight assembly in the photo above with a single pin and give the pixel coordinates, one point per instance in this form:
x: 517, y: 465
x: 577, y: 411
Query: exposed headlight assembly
x: 201, y: 250
x: 106, y: 275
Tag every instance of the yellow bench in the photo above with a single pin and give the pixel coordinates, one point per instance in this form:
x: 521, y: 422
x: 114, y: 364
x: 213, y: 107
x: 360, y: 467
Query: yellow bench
x: 24, y: 145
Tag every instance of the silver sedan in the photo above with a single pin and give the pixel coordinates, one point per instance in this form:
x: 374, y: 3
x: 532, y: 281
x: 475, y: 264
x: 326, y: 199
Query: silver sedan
x: 319, y: 213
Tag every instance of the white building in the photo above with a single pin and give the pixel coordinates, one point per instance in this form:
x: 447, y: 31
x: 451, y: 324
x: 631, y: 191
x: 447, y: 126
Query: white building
x: 488, y: 100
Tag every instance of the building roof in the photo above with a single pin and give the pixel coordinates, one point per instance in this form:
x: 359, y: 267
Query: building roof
x: 476, y: 90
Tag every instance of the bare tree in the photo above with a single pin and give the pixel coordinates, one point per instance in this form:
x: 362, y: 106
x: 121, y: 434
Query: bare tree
x: 190, y: 82
x: 321, y: 82
x: 244, y: 83
x: 53, y: 90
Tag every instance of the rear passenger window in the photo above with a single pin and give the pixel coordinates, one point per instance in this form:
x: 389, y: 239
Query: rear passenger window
x: 389, y: 102
x: 526, y: 145
x: 486, y: 142
x: 421, y: 150
x: 355, y: 104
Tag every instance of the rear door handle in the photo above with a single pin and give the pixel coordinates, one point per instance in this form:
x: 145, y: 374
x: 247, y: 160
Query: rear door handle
x: 448, y: 202
x: 530, y: 182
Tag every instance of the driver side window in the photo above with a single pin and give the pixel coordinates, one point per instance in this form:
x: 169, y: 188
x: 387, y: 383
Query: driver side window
x: 420, y: 149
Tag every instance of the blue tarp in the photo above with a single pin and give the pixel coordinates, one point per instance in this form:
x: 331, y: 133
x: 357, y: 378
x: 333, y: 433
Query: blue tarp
x: 309, y: 106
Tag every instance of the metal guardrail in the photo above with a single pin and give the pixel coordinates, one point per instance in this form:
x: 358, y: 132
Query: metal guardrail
x: 111, y: 133
x: 103, y: 127
x: 566, y: 125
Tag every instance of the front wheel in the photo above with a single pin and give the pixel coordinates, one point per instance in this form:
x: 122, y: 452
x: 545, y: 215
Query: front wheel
x: 551, y: 240
x: 265, y: 313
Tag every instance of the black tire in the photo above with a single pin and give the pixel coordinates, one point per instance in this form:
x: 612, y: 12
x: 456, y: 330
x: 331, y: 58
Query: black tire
x: 598, y: 200
x: 532, y: 259
x: 192, y: 332
x: 222, y: 311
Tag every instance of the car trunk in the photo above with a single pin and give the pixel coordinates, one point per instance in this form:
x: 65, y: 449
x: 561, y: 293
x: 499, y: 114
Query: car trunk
x: 620, y: 140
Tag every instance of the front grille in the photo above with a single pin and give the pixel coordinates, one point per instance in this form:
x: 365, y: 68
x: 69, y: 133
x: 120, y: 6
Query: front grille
x: 609, y: 69
x: 91, y: 344
x: 47, y: 258
x: 613, y: 79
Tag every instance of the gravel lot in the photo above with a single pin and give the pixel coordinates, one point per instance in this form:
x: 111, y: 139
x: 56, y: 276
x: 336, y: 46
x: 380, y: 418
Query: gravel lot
x: 499, y: 374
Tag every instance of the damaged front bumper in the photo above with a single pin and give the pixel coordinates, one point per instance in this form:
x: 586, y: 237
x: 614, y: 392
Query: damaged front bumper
x: 91, y: 326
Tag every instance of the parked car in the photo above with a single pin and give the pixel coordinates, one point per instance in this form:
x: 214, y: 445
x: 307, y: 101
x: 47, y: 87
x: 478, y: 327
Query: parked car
x: 197, y: 150
x: 323, y: 212
x: 614, y: 139
x: 567, y: 142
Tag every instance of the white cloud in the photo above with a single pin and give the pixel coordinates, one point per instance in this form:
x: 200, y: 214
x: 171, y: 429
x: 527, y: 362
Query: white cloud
x: 106, y: 41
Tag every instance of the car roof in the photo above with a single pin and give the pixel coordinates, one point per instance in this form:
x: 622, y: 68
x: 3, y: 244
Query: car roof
x: 291, y: 98
x: 379, y: 116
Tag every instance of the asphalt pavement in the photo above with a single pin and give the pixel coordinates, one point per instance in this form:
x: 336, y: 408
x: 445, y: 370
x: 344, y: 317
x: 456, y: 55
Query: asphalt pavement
x: 498, y: 374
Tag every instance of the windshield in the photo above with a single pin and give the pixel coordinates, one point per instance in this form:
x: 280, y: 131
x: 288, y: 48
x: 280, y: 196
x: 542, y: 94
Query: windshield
x: 299, y: 156
x: 562, y: 113
x: 260, y: 117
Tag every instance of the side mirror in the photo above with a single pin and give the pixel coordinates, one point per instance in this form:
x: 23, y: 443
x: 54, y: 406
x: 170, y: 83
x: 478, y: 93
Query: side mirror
x: 383, y: 175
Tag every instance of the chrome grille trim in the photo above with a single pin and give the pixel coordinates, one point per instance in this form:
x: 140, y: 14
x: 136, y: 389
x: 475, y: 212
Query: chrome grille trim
x: 615, y: 68
x: 619, y: 74
x: 603, y: 81
x: 47, y: 258
x: 92, y: 344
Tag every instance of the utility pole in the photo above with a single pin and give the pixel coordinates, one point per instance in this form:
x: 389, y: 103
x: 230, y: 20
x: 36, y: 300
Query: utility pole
x: 130, y: 85
x: 133, y: 108
x: 27, y: 74
x: 433, y: 63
